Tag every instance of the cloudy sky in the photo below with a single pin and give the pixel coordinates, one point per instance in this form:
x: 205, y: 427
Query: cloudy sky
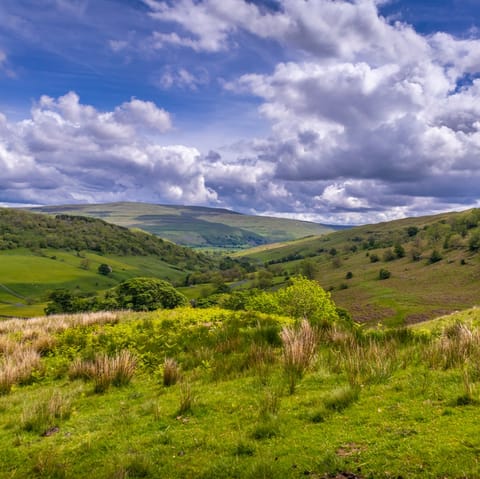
x: 337, y: 111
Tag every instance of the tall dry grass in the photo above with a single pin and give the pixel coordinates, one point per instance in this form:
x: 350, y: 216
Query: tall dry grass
x: 299, y: 347
x: 363, y: 360
x: 171, y: 372
x: 457, y: 345
x: 105, y: 371
x: 17, y: 366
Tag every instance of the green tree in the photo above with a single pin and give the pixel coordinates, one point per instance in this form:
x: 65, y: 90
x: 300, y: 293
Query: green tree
x: 147, y: 294
x: 105, y: 269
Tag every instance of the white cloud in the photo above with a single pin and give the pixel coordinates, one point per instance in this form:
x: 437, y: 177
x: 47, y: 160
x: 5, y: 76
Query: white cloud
x: 68, y: 151
x: 172, y: 77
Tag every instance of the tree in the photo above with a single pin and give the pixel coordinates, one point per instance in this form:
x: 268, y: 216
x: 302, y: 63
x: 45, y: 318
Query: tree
x: 308, y: 268
x: 105, y: 269
x: 147, y: 294
x: 305, y: 299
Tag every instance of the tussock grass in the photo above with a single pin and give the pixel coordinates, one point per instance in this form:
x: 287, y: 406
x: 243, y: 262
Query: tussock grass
x: 187, y: 398
x: 171, y: 372
x: 364, y: 360
x: 17, y: 367
x: 457, y: 344
x: 105, y: 370
x: 299, y: 347
x: 56, y: 323
x: 46, y: 413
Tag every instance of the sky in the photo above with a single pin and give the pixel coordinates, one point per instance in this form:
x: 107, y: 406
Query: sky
x: 334, y: 111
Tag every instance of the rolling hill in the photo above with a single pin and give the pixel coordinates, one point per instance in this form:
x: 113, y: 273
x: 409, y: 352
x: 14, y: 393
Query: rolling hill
x: 40, y: 253
x: 196, y: 226
x: 431, y: 266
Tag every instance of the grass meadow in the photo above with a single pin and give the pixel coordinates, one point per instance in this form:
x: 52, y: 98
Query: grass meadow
x: 215, y: 394
x: 26, y: 277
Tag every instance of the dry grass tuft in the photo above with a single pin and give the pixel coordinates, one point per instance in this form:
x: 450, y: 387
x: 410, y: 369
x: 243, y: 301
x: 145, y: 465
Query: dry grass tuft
x: 299, y: 347
x: 458, y: 344
x: 171, y: 372
x: 105, y: 370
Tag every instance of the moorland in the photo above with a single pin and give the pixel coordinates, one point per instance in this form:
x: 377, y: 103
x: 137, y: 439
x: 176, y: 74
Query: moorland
x: 332, y: 356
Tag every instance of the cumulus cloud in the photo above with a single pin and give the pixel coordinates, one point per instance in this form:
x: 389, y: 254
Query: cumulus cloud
x: 373, y: 116
x: 68, y: 151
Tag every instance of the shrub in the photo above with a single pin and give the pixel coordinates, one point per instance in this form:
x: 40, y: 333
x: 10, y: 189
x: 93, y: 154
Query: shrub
x: 388, y: 255
x: 374, y: 258
x: 384, y: 274
x: 434, y: 257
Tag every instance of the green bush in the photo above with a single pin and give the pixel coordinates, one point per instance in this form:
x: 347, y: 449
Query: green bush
x: 384, y: 274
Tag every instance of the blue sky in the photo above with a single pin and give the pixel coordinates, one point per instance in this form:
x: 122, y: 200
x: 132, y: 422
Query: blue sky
x: 338, y: 111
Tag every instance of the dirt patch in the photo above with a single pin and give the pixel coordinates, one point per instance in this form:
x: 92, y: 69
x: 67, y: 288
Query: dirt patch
x: 350, y: 449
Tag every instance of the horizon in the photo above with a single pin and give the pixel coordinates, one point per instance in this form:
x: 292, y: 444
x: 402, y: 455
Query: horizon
x: 340, y: 113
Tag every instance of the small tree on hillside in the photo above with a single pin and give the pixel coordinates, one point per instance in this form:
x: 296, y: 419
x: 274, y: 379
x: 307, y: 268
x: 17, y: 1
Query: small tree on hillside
x: 105, y: 269
x: 147, y: 294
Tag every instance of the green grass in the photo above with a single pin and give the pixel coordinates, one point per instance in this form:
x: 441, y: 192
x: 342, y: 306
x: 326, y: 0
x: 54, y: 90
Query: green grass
x: 29, y: 277
x: 409, y: 424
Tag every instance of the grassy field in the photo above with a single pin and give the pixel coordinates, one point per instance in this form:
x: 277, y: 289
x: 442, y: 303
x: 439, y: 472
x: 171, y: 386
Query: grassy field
x: 197, y: 227
x: 377, y: 404
x: 26, y: 277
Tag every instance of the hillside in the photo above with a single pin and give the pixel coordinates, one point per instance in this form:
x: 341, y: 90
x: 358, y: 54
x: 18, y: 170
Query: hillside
x: 39, y: 253
x: 196, y: 226
x: 433, y: 263
x: 208, y: 394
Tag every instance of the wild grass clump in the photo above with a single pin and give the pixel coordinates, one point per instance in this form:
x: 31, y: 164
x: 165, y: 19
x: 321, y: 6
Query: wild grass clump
x: 269, y: 403
x: 260, y: 359
x: 187, y: 399
x: 363, y: 360
x: 457, y: 344
x: 171, y: 372
x: 340, y: 398
x: 105, y: 370
x: 17, y: 367
x: 46, y: 413
x: 299, y: 347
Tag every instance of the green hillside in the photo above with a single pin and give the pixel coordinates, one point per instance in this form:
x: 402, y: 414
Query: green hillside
x: 40, y: 253
x: 196, y: 226
x: 208, y: 394
x: 433, y: 263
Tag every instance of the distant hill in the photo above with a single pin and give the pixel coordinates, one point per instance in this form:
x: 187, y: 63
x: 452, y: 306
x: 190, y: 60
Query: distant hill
x: 196, y: 226
x: 433, y: 263
x: 39, y: 253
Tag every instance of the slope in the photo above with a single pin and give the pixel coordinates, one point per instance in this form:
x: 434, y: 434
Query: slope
x: 39, y: 253
x: 431, y: 266
x: 197, y: 226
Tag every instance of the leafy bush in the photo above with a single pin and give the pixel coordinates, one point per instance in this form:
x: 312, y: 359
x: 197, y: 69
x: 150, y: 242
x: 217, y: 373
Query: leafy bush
x: 384, y: 274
